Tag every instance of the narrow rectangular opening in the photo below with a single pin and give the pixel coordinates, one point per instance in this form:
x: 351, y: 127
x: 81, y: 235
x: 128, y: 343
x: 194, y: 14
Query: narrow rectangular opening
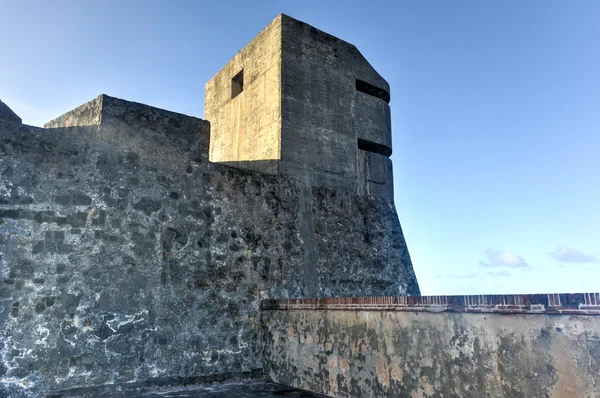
x: 370, y: 89
x: 374, y: 147
x: 237, y: 84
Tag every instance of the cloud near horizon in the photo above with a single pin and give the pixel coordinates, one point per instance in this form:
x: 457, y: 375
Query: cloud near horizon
x: 502, y: 274
x: 566, y: 254
x: 499, y: 258
x: 459, y: 276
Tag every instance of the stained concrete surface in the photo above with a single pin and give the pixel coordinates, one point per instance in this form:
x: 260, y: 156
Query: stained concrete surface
x: 345, y: 353
x: 247, y: 389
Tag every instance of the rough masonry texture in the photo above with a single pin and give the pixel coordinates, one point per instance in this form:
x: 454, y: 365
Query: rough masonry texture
x: 126, y: 257
x: 463, y: 346
x: 130, y: 260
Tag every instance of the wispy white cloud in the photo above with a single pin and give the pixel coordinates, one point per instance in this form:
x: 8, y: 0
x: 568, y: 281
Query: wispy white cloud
x: 475, y: 275
x: 459, y: 276
x: 565, y: 254
x: 501, y: 274
x: 468, y: 276
x: 499, y: 258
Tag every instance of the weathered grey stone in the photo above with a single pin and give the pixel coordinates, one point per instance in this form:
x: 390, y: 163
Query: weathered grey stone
x: 7, y: 115
x: 118, y: 280
x: 88, y: 114
x: 409, y: 354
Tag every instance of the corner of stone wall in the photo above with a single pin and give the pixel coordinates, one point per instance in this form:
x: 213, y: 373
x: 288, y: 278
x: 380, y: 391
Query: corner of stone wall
x: 88, y: 114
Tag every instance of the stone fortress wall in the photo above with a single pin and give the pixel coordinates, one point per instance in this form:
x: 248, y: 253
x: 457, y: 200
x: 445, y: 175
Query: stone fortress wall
x: 529, y: 346
x: 141, y: 247
x: 128, y: 258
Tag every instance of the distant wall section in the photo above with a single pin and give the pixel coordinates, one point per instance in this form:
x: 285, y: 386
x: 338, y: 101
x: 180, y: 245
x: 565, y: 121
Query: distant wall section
x: 465, y: 346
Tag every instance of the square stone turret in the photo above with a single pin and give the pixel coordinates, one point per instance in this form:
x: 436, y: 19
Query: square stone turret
x: 299, y: 102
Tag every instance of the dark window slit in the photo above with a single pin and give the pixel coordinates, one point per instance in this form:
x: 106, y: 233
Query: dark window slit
x: 371, y: 146
x: 237, y: 84
x: 370, y: 89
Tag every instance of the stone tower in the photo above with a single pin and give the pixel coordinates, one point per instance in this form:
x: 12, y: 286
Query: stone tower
x: 299, y: 102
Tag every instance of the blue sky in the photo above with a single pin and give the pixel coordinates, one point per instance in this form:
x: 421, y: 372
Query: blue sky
x: 495, y: 111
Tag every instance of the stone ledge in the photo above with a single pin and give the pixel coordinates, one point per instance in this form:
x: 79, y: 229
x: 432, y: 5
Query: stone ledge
x: 151, y: 384
x: 548, y: 304
x: 105, y: 109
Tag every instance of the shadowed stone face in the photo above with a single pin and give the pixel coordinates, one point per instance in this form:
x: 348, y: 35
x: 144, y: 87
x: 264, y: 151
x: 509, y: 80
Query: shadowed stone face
x: 240, y: 389
x: 7, y: 114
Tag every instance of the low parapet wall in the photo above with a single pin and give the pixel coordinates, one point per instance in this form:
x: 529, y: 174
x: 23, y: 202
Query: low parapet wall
x: 468, y: 346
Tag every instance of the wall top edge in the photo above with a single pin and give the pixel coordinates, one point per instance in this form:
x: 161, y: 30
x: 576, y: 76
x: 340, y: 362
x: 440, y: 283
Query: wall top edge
x: 552, y: 304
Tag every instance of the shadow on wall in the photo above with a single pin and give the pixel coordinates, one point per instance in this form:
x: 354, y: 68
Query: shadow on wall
x: 262, y: 166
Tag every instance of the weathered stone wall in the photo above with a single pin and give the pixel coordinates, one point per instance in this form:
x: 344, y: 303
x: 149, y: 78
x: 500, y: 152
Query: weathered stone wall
x: 429, y: 347
x: 88, y: 114
x: 127, y: 257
